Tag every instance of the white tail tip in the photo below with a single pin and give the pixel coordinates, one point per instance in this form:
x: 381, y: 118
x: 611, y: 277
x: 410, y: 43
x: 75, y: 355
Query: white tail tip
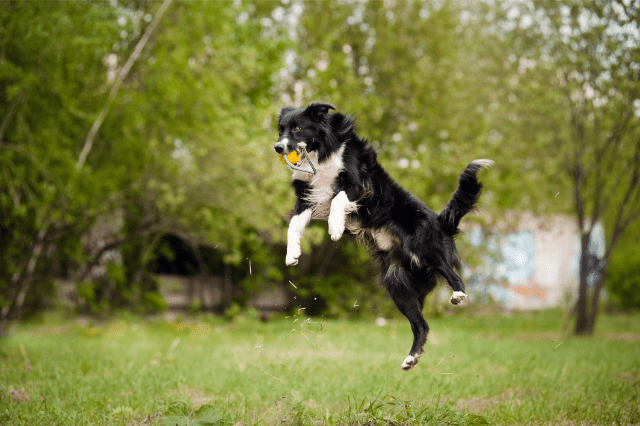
x: 483, y: 163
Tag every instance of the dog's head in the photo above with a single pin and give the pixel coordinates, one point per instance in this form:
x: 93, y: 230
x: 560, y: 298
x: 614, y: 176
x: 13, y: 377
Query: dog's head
x: 311, y: 126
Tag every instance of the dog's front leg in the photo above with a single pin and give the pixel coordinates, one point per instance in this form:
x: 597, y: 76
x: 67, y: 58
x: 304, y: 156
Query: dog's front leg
x: 294, y: 235
x: 301, y: 217
x: 340, y: 207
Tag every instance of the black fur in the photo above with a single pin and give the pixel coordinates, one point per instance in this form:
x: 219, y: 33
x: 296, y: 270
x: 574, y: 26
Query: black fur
x: 424, y: 246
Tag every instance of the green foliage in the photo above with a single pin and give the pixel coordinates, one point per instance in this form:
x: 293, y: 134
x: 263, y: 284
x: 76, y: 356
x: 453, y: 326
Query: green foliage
x: 50, y: 78
x: 152, y: 301
x: 402, y: 70
x: 87, y: 295
x: 207, y: 415
x: 176, y: 115
x: 575, y: 78
x: 623, y: 278
x: 186, y: 146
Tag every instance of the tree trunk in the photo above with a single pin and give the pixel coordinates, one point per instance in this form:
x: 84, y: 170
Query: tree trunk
x: 587, y: 304
x: 583, y: 325
x: 595, y: 300
x: 227, y: 292
x: 23, y: 282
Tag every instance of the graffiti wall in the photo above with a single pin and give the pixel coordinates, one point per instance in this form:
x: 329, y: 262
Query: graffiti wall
x: 532, y: 265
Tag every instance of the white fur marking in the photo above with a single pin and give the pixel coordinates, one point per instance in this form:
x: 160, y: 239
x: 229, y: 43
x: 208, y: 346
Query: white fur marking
x: 306, y: 177
x: 296, y: 229
x: 384, y: 238
x: 483, y: 162
x: 340, y: 205
x: 322, y: 191
x: 410, y: 361
x: 458, y: 298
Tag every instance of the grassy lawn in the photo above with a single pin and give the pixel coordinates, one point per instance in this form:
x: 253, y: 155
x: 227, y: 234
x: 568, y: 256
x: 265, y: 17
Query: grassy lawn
x: 518, y: 369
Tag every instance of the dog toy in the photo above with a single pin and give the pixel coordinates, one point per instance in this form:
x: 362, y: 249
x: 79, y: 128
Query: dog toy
x: 294, y: 159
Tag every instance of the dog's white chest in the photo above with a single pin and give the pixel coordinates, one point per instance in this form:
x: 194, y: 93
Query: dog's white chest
x: 321, y: 184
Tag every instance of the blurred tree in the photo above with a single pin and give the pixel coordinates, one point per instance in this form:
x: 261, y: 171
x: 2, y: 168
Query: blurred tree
x: 197, y: 106
x: 182, y: 143
x: 575, y: 87
x: 164, y: 123
x: 400, y: 68
x: 51, y: 75
x: 623, y: 277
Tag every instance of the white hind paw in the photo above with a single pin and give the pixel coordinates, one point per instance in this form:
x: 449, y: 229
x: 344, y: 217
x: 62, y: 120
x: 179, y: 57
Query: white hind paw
x: 410, y: 361
x: 458, y: 298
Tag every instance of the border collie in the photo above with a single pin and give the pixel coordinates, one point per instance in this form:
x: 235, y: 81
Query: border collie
x: 347, y: 187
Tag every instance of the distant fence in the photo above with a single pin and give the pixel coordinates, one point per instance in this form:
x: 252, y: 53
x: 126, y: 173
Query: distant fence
x: 207, y: 291
x: 180, y: 292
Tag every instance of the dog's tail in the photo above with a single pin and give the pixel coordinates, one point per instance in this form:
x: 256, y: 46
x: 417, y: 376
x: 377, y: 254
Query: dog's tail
x: 465, y: 197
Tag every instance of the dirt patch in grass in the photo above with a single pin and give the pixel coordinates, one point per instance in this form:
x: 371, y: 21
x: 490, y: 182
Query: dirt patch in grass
x: 18, y: 395
x: 480, y: 405
x: 49, y: 330
x: 549, y: 336
x: 145, y: 420
x: 552, y: 336
x: 628, y: 337
x: 196, y: 396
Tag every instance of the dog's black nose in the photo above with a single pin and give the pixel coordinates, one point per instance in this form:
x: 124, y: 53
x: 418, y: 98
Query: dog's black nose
x: 279, y: 147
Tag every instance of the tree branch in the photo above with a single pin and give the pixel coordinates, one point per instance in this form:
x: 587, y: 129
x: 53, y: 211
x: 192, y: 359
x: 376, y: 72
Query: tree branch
x: 578, y: 180
x: 23, y: 277
x: 10, y: 111
x: 622, y: 223
x: 609, y: 148
x: 148, y: 227
x: 88, y: 143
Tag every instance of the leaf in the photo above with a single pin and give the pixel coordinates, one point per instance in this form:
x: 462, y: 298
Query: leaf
x: 207, y: 415
x: 475, y: 420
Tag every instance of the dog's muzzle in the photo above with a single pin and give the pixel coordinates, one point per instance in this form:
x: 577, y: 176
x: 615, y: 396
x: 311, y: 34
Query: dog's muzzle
x: 285, y: 145
x: 280, y: 147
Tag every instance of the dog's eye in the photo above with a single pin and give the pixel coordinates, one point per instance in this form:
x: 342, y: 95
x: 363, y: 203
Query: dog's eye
x: 297, y: 129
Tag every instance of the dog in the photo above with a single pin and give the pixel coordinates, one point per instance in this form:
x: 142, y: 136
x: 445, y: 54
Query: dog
x: 346, y: 186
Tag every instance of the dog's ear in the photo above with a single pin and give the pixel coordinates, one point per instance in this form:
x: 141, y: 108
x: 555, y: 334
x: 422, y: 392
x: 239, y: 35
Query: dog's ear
x: 284, y: 111
x: 318, y: 110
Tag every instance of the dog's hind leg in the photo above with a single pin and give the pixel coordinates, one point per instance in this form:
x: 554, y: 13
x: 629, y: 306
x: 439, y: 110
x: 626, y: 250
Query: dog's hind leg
x: 455, y: 282
x: 409, y: 303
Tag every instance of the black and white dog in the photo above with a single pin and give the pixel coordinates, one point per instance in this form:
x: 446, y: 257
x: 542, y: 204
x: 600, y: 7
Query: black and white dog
x: 351, y: 191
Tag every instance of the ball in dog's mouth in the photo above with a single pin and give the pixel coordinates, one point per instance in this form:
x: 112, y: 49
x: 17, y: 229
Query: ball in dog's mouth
x: 294, y: 158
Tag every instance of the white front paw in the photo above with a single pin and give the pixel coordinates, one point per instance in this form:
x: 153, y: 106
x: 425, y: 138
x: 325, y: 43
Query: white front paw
x: 293, y: 253
x: 336, y: 227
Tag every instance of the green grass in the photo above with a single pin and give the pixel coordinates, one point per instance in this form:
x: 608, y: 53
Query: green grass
x: 518, y: 369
